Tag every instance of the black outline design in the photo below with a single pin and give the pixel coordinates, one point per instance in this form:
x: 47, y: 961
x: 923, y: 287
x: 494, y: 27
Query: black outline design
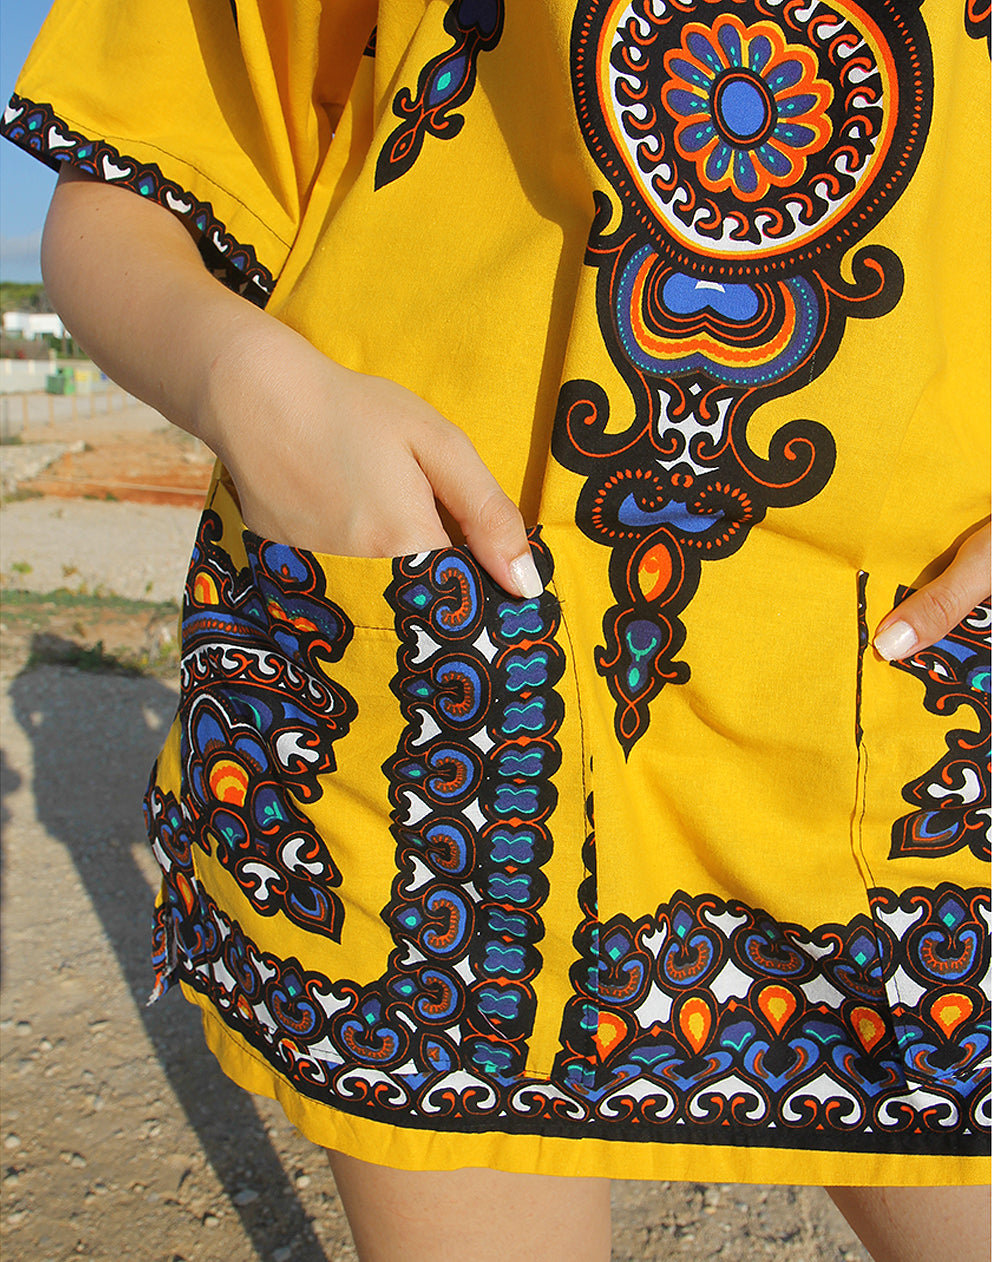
x: 952, y: 797
x: 36, y: 128
x: 978, y: 20
x: 680, y: 484
x: 259, y: 717
x: 813, y: 1037
x: 429, y: 113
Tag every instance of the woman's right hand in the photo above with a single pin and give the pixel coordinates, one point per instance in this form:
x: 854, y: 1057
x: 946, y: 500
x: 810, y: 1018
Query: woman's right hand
x: 336, y: 461
x: 322, y: 457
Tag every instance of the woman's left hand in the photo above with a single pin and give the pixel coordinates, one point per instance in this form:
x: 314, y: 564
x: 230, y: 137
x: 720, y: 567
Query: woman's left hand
x: 929, y: 613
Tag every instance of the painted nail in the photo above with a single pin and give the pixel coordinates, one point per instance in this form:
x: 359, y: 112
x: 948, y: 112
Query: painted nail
x: 524, y: 573
x: 896, y: 641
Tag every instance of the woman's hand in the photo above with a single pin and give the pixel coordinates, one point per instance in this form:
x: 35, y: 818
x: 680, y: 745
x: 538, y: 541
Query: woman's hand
x: 322, y: 457
x: 929, y: 613
x: 336, y: 461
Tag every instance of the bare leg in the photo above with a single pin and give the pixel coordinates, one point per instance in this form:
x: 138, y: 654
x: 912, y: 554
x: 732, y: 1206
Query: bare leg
x: 919, y: 1224
x: 485, y: 1215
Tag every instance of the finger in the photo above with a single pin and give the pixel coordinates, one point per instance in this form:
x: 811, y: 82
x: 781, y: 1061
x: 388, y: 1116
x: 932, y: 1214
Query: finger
x: 928, y: 614
x: 490, y: 521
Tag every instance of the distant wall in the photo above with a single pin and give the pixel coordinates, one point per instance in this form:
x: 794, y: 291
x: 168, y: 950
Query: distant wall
x: 32, y: 324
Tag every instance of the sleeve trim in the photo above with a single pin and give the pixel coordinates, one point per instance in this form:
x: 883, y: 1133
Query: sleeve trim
x: 36, y: 128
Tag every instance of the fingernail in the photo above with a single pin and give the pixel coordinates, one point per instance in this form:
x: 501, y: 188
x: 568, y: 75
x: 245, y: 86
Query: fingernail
x: 524, y: 573
x: 897, y: 640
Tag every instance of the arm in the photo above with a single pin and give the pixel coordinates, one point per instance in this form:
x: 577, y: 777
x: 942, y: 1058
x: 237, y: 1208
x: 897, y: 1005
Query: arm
x: 322, y: 457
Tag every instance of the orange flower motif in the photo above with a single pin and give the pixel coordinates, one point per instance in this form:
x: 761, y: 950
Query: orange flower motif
x: 749, y: 106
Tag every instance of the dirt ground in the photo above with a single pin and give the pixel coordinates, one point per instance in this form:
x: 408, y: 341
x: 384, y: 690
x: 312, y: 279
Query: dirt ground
x: 121, y: 1139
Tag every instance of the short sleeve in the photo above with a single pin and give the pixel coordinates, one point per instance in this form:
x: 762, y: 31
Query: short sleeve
x: 220, y: 111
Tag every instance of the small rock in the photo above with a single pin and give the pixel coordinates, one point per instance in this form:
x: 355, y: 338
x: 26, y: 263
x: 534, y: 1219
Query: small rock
x: 11, y: 1141
x: 210, y: 1220
x: 11, y: 1179
x: 16, y: 1216
x: 303, y: 1180
x: 283, y: 1254
x: 245, y: 1197
x: 45, y: 1045
x: 23, y: 1028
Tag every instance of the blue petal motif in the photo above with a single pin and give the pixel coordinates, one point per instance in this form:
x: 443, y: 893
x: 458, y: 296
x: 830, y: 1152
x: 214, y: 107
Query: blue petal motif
x: 684, y: 295
x: 794, y: 135
x: 773, y: 159
x: 687, y: 103
x: 700, y: 47
x: 758, y: 52
x: 730, y: 42
x: 785, y: 75
x: 698, y: 136
x: 718, y: 162
x: 691, y: 73
x: 744, y: 174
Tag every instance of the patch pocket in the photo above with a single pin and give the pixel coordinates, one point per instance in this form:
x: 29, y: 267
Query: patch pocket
x: 432, y: 695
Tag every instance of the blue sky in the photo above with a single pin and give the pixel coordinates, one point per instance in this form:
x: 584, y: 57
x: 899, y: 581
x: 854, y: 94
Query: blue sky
x: 25, y: 183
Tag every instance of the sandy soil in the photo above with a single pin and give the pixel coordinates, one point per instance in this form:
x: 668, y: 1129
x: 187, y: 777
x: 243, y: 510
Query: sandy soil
x: 121, y: 1139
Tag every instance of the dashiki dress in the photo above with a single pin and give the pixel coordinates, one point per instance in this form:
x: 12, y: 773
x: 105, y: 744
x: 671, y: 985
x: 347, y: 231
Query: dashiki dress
x: 668, y: 860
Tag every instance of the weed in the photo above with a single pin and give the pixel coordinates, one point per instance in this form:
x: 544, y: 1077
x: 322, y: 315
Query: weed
x: 22, y: 567
x: 20, y: 493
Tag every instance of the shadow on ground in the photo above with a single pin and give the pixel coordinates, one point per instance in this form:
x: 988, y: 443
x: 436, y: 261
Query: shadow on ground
x: 92, y: 755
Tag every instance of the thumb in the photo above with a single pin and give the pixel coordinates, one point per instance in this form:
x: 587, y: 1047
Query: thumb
x: 928, y: 614
x: 491, y: 523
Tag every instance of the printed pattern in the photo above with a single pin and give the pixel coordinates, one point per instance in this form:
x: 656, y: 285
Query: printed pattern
x: 748, y: 155
x: 952, y: 798
x: 472, y: 795
x: 39, y: 130
x: 259, y: 717
x: 711, y: 1014
x: 472, y: 791
x: 708, y: 1023
x: 978, y: 20
x: 705, y: 1022
x: 447, y: 81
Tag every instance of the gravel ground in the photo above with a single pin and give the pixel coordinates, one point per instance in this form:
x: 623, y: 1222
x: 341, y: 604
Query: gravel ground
x: 121, y: 1139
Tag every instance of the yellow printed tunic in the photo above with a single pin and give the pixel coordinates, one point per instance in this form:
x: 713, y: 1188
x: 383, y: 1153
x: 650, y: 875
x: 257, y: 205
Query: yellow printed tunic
x: 666, y: 860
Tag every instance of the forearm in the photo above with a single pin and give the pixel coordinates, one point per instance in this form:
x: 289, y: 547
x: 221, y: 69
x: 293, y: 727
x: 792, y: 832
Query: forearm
x: 128, y: 281
x: 323, y: 457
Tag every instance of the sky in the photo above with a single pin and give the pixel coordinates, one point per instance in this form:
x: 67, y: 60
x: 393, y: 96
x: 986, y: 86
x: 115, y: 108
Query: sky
x: 25, y: 183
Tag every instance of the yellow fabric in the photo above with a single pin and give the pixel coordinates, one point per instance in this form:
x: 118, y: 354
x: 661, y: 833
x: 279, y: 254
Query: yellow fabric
x: 466, y: 278
x: 240, y: 117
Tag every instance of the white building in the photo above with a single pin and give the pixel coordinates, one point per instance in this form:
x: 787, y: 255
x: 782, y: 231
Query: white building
x: 32, y: 324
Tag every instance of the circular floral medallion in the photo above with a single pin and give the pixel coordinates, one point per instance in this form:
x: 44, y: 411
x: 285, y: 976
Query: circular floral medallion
x: 751, y: 142
x: 749, y: 107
